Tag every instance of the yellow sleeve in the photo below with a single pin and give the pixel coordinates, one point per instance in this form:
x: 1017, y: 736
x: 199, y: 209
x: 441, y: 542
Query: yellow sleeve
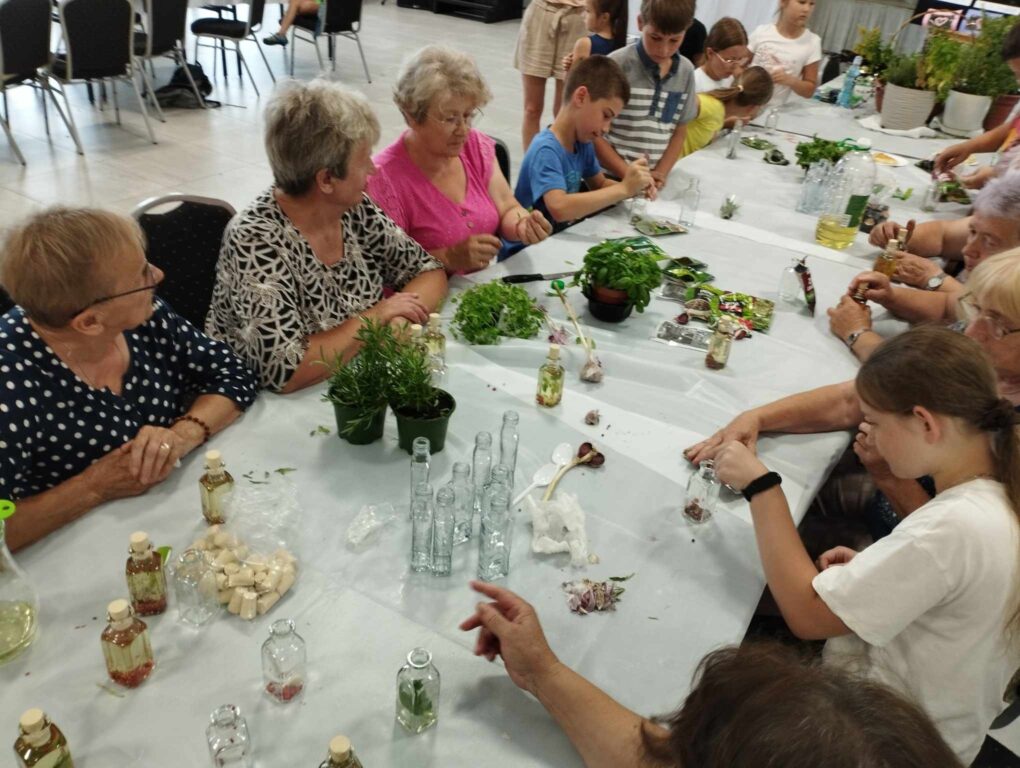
x: 702, y: 129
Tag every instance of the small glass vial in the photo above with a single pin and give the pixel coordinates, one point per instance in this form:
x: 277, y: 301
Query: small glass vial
x: 421, y: 460
x: 550, y: 379
x: 789, y: 284
x: 195, y: 588
x: 443, y: 522
x: 435, y: 343
x: 719, y: 344
x: 702, y: 493
x: 341, y: 754
x: 284, y: 661
x: 227, y: 735
x: 509, y: 439
x: 463, y: 502
x: 930, y: 203
x: 418, y: 692
x: 19, y: 603
x: 887, y: 260
x: 146, y: 580
x: 216, y: 485
x: 126, y: 646
x: 422, y: 515
x: 481, y: 466
x: 772, y: 120
x: 733, y: 140
x: 690, y: 201
x: 40, y: 744
x: 495, y: 537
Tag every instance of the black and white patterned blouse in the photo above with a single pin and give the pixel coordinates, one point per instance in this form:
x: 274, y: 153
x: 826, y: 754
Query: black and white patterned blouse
x: 53, y: 425
x: 272, y: 292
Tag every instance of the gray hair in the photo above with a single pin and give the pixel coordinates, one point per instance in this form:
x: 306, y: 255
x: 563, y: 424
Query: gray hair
x: 436, y: 70
x: 1000, y: 198
x: 315, y: 126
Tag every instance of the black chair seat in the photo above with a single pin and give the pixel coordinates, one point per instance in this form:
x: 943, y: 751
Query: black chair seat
x: 308, y: 21
x: 16, y: 79
x: 59, y: 69
x: 140, y: 41
x: 218, y: 8
x: 219, y: 28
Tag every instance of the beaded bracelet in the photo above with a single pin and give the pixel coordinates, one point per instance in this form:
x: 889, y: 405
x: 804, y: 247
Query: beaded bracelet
x: 196, y: 420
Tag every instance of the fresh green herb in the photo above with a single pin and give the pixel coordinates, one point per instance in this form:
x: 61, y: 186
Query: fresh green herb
x: 410, y: 389
x: 361, y: 382
x: 810, y: 152
x: 414, y: 699
x: 164, y: 554
x: 322, y: 429
x: 628, y: 577
x: 875, y: 51
x: 284, y: 470
x: 488, y: 312
x: 628, y: 264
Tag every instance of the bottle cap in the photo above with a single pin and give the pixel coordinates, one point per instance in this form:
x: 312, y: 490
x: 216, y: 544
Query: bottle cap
x: 32, y: 720
x: 213, y: 460
x: 864, y: 143
x: 434, y: 318
x: 140, y: 541
x: 554, y: 351
x: 339, y: 748
x: 118, y: 610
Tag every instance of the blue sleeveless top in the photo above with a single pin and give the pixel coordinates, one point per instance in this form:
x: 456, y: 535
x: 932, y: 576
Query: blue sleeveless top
x: 600, y: 46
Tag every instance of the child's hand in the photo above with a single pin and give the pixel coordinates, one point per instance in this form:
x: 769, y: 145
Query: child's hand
x: 659, y: 177
x: 568, y: 61
x: 864, y: 447
x: 736, y: 465
x: 835, y: 556
x: 638, y: 177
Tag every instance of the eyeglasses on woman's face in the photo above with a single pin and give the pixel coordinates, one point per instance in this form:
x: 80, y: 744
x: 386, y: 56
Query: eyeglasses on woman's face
x: 739, y: 61
x: 995, y: 324
x: 150, y: 285
x: 453, y: 122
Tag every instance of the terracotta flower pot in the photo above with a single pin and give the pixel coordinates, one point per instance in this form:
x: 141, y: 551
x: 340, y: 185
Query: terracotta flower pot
x: 608, y: 304
x: 1000, y: 110
x: 608, y: 295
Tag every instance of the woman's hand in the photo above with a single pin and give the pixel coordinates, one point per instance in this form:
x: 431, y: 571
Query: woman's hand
x: 864, y: 447
x: 950, y: 157
x: 510, y: 629
x: 915, y: 270
x: 736, y: 465
x: 883, y: 233
x: 533, y: 228
x: 112, y: 477
x: 408, y: 306
x: 473, y: 254
x: 744, y: 429
x: 848, y: 316
x: 835, y: 556
x: 877, y: 288
x: 154, y: 452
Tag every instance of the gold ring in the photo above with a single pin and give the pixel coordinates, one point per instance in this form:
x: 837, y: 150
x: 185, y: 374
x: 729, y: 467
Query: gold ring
x: 164, y: 446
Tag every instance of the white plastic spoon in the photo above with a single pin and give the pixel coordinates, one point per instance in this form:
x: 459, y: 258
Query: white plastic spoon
x: 542, y: 477
x: 562, y: 454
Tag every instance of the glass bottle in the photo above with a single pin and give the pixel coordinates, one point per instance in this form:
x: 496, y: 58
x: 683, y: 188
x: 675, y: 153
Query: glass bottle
x: 733, y: 140
x: 772, y: 121
x: 40, y: 744
x: 550, y: 379
x: 789, y: 284
x: 216, y: 485
x: 930, y: 203
x: 509, y: 438
x: 481, y: 465
x: 813, y: 190
x: 463, y: 502
x: 418, y: 692
x: 284, y: 661
x: 341, y: 754
x: 847, y: 198
x: 195, y: 588
x: 146, y: 580
x: 227, y: 736
x: 443, y: 522
x: 421, y: 460
x: 435, y: 343
x: 719, y: 344
x: 19, y: 604
x: 689, y: 204
x: 126, y: 646
x: 422, y: 514
x: 495, y: 537
x: 887, y: 260
x: 702, y: 493
x: 499, y: 477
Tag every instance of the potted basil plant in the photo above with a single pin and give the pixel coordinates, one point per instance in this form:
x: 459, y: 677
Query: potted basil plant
x: 422, y: 410
x: 357, y: 387
x: 618, y: 276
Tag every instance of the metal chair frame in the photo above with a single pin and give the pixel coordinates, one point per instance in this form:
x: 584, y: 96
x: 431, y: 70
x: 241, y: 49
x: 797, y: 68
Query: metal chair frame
x: 299, y: 33
x: 176, y: 54
x: 249, y: 34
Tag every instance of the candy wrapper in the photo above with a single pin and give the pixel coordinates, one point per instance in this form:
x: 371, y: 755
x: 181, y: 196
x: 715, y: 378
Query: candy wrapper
x: 707, y: 302
x: 805, y: 280
x: 586, y: 596
x: 682, y: 335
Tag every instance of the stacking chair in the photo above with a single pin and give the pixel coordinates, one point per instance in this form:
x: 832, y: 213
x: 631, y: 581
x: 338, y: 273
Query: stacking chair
x: 343, y: 19
x: 219, y: 10
x: 166, y: 26
x: 235, y: 31
x: 99, y: 39
x: 24, y: 51
x: 503, y: 158
x: 184, y: 242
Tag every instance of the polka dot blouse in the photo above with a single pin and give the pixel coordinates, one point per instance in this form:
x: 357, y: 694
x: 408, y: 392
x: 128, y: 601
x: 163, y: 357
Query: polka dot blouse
x: 53, y: 425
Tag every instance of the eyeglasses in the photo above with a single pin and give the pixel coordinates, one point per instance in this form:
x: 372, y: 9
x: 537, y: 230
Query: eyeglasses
x: 453, y: 122
x: 150, y: 277
x: 732, y: 62
x: 973, y: 312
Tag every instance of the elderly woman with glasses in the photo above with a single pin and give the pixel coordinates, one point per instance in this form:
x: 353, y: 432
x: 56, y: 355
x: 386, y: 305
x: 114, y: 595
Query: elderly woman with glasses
x: 312, y: 258
x: 104, y: 387
x: 439, y: 180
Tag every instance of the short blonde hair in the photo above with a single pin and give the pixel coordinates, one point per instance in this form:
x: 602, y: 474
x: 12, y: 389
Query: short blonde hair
x: 435, y: 70
x: 315, y: 126
x: 995, y: 284
x: 57, y: 261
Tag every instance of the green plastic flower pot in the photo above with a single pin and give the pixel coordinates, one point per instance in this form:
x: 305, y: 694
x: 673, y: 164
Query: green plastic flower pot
x: 410, y: 426
x: 361, y: 435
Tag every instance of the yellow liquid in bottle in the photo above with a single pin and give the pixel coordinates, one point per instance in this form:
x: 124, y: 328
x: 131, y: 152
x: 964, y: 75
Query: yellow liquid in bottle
x: 885, y: 264
x: 17, y: 628
x: 215, y: 490
x: 832, y: 232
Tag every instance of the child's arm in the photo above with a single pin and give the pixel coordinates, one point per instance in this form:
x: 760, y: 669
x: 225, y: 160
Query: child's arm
x: 582, y: 50
x: 564, y: 206
x: 803, y: 85
x: 609, y: 158
x: 673, y: 151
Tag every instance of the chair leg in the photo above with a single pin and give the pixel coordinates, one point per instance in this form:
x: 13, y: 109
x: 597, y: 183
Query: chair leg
x: 7, y: 129
x: 151, y: 92
x: 182, y: 61
x: 41, y: 84
x: 141, y: 103
x: 244, y: 61
x: 67, y: 118
x: 223, y: 56
x: 364, y: 62
x: 318, y: 53
x: 263, y: 53
x: 293, y: 45
x: 332, y: 51
x: 116, y: 105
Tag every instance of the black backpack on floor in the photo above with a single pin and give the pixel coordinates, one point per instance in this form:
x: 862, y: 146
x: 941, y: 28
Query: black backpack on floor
x: 178, y: 93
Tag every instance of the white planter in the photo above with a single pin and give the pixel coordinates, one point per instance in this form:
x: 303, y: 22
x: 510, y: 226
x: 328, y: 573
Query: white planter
x: 964, y: 113
x: 906, y: 108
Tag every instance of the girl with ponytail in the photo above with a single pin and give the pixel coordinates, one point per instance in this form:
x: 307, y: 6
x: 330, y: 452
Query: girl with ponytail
x: 751, y: 89
x: 932, y: 608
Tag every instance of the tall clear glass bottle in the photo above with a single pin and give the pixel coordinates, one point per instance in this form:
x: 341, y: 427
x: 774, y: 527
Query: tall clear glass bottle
x: 789, y: 284
x: 443, y: 523
x: 126, y: 646
x: 216, y: 485
x: 227, y: 736
x: 463, y: 502
x: 550, y: 379
x: 435, y: 343
x: 495, y: 537
x: 509, y: 439
x: 40, y: 744
x: 499, y: 478
x: 418, y: 692
x: 195, y: 588
x: 284, y: 661
x: 422, y: 515
x: 146, y: 580
x: 690, y: 201
x: 341, y: 754
x: 702, y: 493
x: 421, y: 460
x: 481, y: 466
x: 19, y: 604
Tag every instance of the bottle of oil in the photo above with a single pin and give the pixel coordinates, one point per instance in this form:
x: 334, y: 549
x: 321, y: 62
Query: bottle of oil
x: 19, y: 604
x: 216, y: 485
x: 435, y: 343
x: 848, y: 189
x: 341, y: 754
x: 550, y: 379
x: 40, y: 743
x: 126, y: 646
x: 145, y: 577
x: 886, y: 261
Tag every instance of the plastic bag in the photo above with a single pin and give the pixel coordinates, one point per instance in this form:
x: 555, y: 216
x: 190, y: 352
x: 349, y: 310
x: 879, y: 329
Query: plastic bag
x: 369, y: 522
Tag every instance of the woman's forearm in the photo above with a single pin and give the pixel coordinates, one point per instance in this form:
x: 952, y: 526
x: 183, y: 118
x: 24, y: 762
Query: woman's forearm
x: 215, y: 411
x: 323, y: 348
x: 906, y: 496
x: 38, y: 516
x: 825, y: 409
x: 430, y: 286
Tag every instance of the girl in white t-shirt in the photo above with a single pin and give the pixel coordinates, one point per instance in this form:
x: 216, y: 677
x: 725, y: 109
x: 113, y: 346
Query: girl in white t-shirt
x: 726, y: 56
x: 932, y: 608
x: 789, y: 50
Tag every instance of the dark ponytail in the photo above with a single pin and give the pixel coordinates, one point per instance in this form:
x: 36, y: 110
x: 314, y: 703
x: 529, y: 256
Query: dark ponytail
x: 617, y: 10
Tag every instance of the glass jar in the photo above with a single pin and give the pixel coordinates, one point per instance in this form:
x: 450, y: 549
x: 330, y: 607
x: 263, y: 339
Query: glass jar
x: 550, y: 380
x: 463, y: 502
x: 421, y: 460
x: 126, y: 646
x: 887, y: 261
x: 509, y: 439
x: 227, y: 736
x: 146, y: 580
x: 720, y: 343
x: 702, y: 493
x: 690, y: 201
x: 813, y: 189
x: 19, y: 604
x: 435, y: 343
x: 481, y: 466
x: 195, y: 588
x: 418, y: 692
x: 771, y: 120
x: 40, y: 744
x: 284, y: 661
x: 442, y: 532
x: 216, y: 486
x: 422, y: 516
x: 341, y: 754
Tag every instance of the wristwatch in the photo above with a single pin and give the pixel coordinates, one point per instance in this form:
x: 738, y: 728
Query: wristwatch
x: 934, y: 283
x: 852, y: 338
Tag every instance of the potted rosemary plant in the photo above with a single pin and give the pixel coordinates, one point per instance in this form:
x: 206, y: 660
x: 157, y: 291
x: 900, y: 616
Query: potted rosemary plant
x: 618, y: 276
x: 357, y: 387
x: 422, y: 410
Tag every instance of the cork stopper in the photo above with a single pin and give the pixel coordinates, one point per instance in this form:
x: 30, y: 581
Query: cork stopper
x: 554, y: 351
x: 415, y: 331
x: 339, y: 748
x: 892, y: 245
x: 140, y: 542
x: 118, y: 610
x: 434, y: 320
x: 34, y: 720
x: 213, y: 460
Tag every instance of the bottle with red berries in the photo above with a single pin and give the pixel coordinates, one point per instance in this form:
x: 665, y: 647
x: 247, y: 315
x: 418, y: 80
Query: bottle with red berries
x: 145, y: 578
x: 284, y: 661
x: 126, y: 646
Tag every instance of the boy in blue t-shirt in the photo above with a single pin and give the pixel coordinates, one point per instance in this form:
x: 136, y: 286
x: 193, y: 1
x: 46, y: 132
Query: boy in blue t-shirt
x: 561, y: 156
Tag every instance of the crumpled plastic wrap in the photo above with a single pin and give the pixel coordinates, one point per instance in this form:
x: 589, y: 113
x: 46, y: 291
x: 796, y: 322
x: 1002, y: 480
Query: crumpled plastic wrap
x: 265, y: 515
x: 369, y: 522
x: 558, y: 525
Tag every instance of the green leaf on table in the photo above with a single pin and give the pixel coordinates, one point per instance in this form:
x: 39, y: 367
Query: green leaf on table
x: 284, y: 470
x: 621, y: 578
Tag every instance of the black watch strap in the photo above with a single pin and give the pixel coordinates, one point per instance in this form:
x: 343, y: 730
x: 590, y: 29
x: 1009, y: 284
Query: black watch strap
x: 763, y: 483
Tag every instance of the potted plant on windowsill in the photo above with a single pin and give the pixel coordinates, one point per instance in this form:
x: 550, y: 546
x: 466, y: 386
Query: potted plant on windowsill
x: 422, y: 409
x: 999, y: 80
x: 970, y: 97
x: 877, y: 54
x: 909, y: 99
x: 357, y: 387
x: 618, y: 276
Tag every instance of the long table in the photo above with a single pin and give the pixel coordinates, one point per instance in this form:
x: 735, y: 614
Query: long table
x: 694, y: 588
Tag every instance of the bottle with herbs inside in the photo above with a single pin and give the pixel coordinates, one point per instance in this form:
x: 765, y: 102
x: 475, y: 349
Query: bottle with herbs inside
x: 215, y: 485
x: 145, y: 577
x: 19, y: 603
x: 284, y: 661
x: 418, y: 692
x: 435, y: 343
x: 40, y: 744
x: 341, y: 754
x: 550, y: 379
x: 887, y: 260
x: 702, y: 493
x: 719, y: 343
x: 126, y: 646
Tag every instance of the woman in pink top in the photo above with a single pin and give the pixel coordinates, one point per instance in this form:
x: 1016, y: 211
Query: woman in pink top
x: 439, y: 181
